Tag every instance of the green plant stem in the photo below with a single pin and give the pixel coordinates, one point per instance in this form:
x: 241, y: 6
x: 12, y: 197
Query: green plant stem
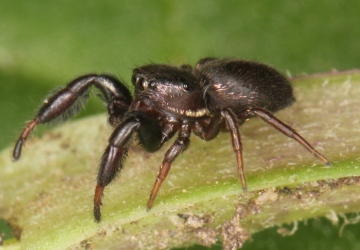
x: 48, y: 192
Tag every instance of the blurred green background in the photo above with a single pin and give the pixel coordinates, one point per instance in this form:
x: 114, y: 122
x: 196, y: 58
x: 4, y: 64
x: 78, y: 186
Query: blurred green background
x: 44, y: 44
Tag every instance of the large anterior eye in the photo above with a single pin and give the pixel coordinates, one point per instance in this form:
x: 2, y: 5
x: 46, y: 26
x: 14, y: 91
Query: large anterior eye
x: 186, y: 86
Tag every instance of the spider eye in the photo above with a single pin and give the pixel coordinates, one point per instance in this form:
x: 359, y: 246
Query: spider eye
x: 152, y: 85
x: 186, y: 86
x: 135, y: 79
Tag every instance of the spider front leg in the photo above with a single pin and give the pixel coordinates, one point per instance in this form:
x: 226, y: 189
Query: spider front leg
x: 180, y: 145
x: 67, y: 102
x: 112, y: 159
x: 149, y: 133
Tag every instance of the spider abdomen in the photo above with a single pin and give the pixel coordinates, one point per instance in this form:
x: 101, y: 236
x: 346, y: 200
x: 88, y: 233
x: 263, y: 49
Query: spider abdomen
x: 240, y: 85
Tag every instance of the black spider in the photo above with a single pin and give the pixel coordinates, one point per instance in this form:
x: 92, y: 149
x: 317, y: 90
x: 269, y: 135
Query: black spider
x: 219, y: 94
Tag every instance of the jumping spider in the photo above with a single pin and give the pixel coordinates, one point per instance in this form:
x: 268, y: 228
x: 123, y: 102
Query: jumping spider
x: 217, y: 95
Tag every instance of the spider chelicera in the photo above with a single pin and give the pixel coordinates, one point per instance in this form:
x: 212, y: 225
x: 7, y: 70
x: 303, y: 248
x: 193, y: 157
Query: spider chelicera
x: 217, y: 95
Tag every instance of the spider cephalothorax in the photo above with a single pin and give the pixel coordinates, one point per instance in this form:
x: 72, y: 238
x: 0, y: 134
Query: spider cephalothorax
x: 217, y: 95
x: 169, y: 89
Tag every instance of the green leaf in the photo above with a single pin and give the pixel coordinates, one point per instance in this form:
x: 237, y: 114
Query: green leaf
x: 48, y: 192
